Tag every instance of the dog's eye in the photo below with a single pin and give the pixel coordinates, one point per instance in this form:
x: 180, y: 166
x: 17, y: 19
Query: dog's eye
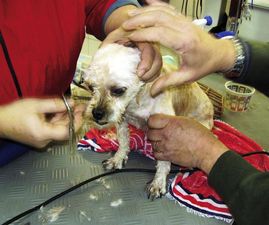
x: 118, y: 91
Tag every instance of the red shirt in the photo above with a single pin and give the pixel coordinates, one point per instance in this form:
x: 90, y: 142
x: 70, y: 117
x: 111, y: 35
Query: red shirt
x: 44, y: 39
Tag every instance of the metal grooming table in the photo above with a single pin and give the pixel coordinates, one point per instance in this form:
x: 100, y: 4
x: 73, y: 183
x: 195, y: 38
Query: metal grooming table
x: 118, y: 199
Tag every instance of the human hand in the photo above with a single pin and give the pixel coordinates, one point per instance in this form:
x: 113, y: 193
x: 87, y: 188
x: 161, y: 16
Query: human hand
x: 37, y: 122
x: 151, y: 62
x: 184, y: 141
x: 200, y: 53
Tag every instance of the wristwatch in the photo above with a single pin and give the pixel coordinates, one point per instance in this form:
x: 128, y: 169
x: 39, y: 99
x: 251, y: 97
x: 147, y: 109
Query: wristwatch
x: 239, y: 63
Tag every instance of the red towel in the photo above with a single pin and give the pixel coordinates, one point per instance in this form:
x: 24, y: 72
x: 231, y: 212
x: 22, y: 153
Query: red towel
x: 189, y: 189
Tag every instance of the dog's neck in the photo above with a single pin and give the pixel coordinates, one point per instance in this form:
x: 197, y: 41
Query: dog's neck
x: 141, y: 107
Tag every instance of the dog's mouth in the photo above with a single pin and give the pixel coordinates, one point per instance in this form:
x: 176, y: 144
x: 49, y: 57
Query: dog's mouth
x: 102, y: 123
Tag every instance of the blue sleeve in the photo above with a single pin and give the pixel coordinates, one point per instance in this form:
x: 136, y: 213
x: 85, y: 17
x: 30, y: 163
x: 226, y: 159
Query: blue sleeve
x: 116, y: 5
x: 10, y: 150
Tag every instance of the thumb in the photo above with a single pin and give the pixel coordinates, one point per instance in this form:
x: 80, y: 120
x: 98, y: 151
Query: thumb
x: 117, y: 36
x: 52, y: 105
x: 173, y: 79
x: 57, y: 132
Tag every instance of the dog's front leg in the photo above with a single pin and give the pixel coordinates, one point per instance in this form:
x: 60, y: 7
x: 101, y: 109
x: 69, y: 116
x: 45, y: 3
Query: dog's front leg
x: 157, y: 188
x: 121, y: 156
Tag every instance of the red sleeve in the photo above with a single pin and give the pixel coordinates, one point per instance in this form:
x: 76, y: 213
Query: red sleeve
x: 96, y: 11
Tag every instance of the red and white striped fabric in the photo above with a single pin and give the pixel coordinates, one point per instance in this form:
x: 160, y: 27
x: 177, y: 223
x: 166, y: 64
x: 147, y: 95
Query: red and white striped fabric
x: 189, y: 189
x: 106, y: 141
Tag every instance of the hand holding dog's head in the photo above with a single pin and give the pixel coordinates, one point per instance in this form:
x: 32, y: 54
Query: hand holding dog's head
x: 113, y: 81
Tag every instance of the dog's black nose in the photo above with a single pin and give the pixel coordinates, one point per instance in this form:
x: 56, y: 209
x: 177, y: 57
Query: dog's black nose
x: 98, y: 113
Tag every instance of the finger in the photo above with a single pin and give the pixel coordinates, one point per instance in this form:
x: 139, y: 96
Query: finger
x: 116, y: 37
x: 154, y: 135
x: 147, y: 56
x: 160, y: 155
x: 150, y: 19
x: 155, y: 69
x: 163, y: 35
x: 158, y: 121
x: 57, y: 132
x: 53, y: 105
x: 173, y: 79
x: 58, y: 117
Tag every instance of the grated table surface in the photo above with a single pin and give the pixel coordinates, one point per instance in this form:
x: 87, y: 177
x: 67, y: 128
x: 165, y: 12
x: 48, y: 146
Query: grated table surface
x: 113, y: 200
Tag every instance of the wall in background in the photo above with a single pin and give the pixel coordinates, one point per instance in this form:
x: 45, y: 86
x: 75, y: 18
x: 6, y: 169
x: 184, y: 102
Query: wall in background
x: 90, y: 45
x: 256, y: 29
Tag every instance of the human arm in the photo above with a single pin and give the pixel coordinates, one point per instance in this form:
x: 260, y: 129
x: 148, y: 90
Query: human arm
x: 256, y: 67
x: 113, y: 14
x: 242, y: 187
x: 150, y: 65
x: 200, y: 52
x: 36, y: 122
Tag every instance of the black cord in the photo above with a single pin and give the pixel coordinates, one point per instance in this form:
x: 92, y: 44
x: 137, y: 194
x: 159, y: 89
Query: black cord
x: 128, y: 170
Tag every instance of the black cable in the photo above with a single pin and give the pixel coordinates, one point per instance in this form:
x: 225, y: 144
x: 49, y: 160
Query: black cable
x: 15, y: 218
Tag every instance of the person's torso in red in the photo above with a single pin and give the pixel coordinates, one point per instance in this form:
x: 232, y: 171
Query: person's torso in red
x: 44, y: 39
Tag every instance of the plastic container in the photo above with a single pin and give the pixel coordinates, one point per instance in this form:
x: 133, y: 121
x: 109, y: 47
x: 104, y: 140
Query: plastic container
x: 237, y: 96
x: 206, y: 21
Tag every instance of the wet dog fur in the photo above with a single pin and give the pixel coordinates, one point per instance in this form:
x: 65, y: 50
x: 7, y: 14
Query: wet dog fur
x: 119, y: 97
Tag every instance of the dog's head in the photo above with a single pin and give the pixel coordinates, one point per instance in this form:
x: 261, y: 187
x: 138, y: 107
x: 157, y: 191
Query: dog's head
x: 113, y: 81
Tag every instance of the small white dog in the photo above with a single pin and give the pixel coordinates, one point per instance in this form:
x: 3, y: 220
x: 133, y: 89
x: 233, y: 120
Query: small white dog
x: 119, y: 97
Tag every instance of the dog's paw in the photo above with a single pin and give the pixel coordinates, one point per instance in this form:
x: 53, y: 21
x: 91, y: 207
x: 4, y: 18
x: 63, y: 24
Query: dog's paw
x: 156, y: 189
x: 114, y: 163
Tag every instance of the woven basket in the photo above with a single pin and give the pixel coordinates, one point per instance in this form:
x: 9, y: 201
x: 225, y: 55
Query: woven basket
x: 216, y: 99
